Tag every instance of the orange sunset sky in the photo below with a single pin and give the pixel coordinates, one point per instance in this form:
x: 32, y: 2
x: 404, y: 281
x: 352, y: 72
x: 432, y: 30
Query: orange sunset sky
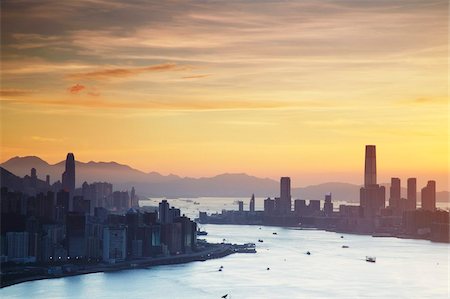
x: 198, y: 88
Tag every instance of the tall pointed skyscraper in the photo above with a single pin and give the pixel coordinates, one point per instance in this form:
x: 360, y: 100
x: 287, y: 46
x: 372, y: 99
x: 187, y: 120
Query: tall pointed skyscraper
x: 370, y: 166
x: 68, y: 176
x: 252, y: 203
x: 372, y: 196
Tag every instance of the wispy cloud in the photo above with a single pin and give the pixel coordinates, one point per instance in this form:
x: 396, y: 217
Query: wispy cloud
x: 11, y: 92
x: 333, y: 123
x: 246, y: 123
x: 24, y: 41
x: 83, y: 89
x: 18, y: 66
x: 197, y: 76
x: 75, y: 89
x: 426, y: 101
x: 191, y: 105
x: 112, y: 73
x: 46, y: 139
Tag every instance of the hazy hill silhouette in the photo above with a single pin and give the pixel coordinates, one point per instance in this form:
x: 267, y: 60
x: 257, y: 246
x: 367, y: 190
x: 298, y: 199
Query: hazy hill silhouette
x: 155, y: 185
x: 10, y: 180
x: 13, y: 182
x: 91, y: 171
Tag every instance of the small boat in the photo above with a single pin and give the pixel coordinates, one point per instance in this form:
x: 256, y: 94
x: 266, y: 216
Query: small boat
x: 344, y: 246
x: 268, y: 268
x: 201, y: 233
x: 371, y: 259
x: 220, y: 269
x: 342, y: 237
x: 260, y: 241
x: 274, y: 233
x: 308, y: 253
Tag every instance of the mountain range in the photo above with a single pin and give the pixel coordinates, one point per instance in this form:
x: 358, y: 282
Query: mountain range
x: 153, y: 184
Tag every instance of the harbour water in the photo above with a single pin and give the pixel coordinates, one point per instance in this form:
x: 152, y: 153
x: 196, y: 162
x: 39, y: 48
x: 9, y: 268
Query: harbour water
x: 403, y: 269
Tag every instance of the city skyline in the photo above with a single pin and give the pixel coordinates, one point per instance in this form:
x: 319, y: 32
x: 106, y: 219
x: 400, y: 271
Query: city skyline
x: 267, y: 88
x: 224, y: 149
x: 386, y: 178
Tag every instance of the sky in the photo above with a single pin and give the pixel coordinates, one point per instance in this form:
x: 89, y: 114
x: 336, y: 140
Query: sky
x: 199, y: 88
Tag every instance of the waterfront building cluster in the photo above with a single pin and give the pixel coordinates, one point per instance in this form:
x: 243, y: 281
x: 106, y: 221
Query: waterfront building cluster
x: 59, y: 223
x: 400, y: 217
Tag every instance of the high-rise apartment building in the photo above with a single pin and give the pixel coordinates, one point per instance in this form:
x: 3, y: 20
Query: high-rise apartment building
x: 429, y: 196
x: 412, y: 194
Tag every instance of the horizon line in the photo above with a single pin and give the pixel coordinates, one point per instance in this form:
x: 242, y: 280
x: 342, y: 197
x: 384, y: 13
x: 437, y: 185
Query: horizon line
x: 196, y: 177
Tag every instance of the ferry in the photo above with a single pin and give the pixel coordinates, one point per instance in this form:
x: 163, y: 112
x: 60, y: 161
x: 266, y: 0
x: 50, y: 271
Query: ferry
x: 201, y: 233
x: 371, y: 259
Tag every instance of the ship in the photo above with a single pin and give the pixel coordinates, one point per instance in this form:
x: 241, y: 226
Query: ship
x: 371, y: 259
x: 201, y: 232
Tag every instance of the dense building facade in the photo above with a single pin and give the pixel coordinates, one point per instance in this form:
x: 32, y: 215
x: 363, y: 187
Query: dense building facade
x: 89, y: 224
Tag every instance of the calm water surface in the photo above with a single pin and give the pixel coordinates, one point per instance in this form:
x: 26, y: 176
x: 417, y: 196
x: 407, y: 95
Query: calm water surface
x: 404, y: 268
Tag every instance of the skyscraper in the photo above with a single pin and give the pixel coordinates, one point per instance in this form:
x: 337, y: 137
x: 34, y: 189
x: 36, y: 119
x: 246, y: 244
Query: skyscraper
x: 163, y: 212
x: 372, y: 196
x: 269, y: 206
x: 429, y: 196
x: 394, y: 192
x: 33, y: 176
x: 241, y: 206
x: 133, y: 198
x: 100, y: 195
x: 252, y: 203
x: 412, y: 194
x: 370, y: 166
x: 285, y: 194
x: 33, y: 173
x: 328, y: 205
x: 68, y: 176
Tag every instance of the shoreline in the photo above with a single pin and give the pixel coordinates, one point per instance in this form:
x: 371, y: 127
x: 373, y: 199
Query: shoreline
x: 218, y: 251
x: 371, y: 234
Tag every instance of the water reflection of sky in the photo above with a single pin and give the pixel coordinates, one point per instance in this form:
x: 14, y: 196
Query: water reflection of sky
x: 404, y: 269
